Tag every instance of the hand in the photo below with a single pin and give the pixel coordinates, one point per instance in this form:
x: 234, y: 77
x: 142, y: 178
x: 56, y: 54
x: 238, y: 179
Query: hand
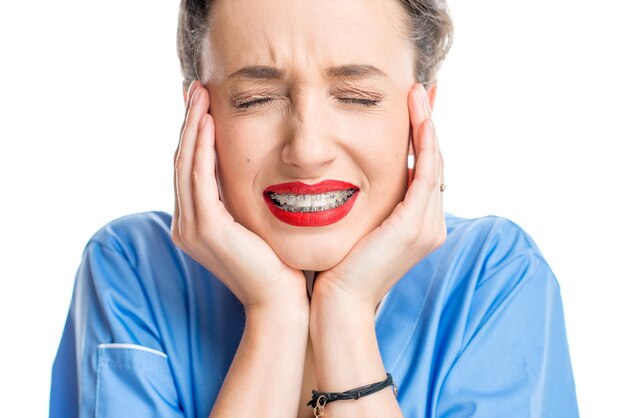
x: 414, y: 229
x: 203, y: 228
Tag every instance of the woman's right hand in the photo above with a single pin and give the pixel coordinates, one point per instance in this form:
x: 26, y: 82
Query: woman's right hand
x: 204, y: 229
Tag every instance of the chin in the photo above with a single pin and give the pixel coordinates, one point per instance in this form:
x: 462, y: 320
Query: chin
x: 314, y: 255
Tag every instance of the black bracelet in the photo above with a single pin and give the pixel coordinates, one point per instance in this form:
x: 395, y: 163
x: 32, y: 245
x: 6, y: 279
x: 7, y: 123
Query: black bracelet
x: 320, y: 399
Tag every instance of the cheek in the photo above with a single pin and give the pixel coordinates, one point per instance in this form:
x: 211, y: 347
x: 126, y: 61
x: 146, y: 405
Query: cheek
x: 242, y: 151
x: 243, y: 141
x: 246, y: 147
x: 382, y: 151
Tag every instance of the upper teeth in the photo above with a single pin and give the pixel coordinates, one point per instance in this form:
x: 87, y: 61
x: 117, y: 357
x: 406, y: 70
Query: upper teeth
x: 311, y: 202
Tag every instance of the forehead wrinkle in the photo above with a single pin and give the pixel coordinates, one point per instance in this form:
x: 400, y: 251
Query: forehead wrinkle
x: 351, y: 74
x: 299, y: 45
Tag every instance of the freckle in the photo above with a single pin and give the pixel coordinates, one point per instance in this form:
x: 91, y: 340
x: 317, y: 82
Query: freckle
x: 248, y: 160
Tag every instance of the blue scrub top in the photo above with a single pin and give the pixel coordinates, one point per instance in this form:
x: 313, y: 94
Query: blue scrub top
x: 474, y: 330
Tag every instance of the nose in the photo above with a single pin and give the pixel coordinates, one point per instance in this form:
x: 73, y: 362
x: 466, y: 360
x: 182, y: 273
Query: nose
x: 310, y: 147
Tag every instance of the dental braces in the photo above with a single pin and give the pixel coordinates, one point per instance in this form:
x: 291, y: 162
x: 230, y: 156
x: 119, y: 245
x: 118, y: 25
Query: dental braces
x: 282, y: 201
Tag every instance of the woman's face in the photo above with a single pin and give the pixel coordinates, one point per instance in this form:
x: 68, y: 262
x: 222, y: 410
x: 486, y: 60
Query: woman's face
x: 309, y: 100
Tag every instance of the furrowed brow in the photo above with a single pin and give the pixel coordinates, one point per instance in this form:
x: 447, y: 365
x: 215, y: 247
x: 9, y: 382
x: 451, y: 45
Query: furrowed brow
x: 351, y: 71
x: 258, y: 72
x: 355, y: 71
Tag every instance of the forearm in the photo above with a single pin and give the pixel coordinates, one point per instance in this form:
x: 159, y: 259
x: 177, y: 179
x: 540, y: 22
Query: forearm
x: 347, y: 356
x: 266, y: 373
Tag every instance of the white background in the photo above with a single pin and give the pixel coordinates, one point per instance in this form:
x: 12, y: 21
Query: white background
x: 530, y: 115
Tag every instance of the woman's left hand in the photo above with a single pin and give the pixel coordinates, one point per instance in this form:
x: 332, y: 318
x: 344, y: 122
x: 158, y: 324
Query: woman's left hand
x: 415, y: 228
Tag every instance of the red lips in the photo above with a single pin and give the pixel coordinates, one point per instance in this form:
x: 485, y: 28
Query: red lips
x: 311, y: 219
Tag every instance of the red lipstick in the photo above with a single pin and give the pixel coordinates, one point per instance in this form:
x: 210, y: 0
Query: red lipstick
x: 311, y: 205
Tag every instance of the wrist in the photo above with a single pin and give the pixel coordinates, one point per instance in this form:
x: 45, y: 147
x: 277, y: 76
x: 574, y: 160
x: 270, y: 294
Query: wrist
x: 330, y: 300
x: 287, y: 299
x: 343, y: 337
x: 338, y: 318
x: 292, y: 312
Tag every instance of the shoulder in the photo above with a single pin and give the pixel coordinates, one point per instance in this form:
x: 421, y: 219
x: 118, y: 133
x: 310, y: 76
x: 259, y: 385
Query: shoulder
x: 490, y: 244
x: 135, y: 258
x: 132, y: 235
x: 135, y: 286
x: 488, y: 267
x: 493, y: 269
x: 132, y: 271
x: 122, y: 264
x: 493, y: 231
x: 501, y: 315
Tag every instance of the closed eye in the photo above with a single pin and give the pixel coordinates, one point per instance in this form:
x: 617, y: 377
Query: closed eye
x: 245, y: 104
x: 358, y: 101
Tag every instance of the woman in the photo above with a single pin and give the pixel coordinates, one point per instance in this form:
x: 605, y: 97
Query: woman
x: 303, y: 254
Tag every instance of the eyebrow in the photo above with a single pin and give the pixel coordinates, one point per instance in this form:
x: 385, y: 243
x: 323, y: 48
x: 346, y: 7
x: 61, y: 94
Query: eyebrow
x: 354, y: 71
x: 258, y: 72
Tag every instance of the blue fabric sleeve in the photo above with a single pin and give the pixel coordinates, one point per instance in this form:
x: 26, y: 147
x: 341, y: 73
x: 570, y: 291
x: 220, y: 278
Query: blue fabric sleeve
x: 514, y: 360
x: 110, y: 362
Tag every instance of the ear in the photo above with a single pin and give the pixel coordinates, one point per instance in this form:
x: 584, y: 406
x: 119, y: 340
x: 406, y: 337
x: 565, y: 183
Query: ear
x: 432, y: 95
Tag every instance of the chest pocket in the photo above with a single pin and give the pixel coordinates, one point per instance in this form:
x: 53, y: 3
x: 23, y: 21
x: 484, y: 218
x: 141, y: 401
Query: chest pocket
x: 134, y: 381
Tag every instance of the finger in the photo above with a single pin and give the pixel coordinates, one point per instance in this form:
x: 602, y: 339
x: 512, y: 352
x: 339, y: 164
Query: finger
x: 419, y: 200
x: 423, y: 204
x: 441, y: 217
x: 439, y: 161
x: 440, y: 211
x: 426, y: 152
x: 411, y: 160
x: 423, y: 112
x: 436, y: 214
x: 198, y: 106
x: 441, y: 181
x: 422, y: 200
x: 205, y: 189
x: 416, y: 117
x: 419, y: 112
x: 180, y: 162
x: 439, y: 166
x: 419, y: 107
x: 190, y: 92
x: 175, y: 227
